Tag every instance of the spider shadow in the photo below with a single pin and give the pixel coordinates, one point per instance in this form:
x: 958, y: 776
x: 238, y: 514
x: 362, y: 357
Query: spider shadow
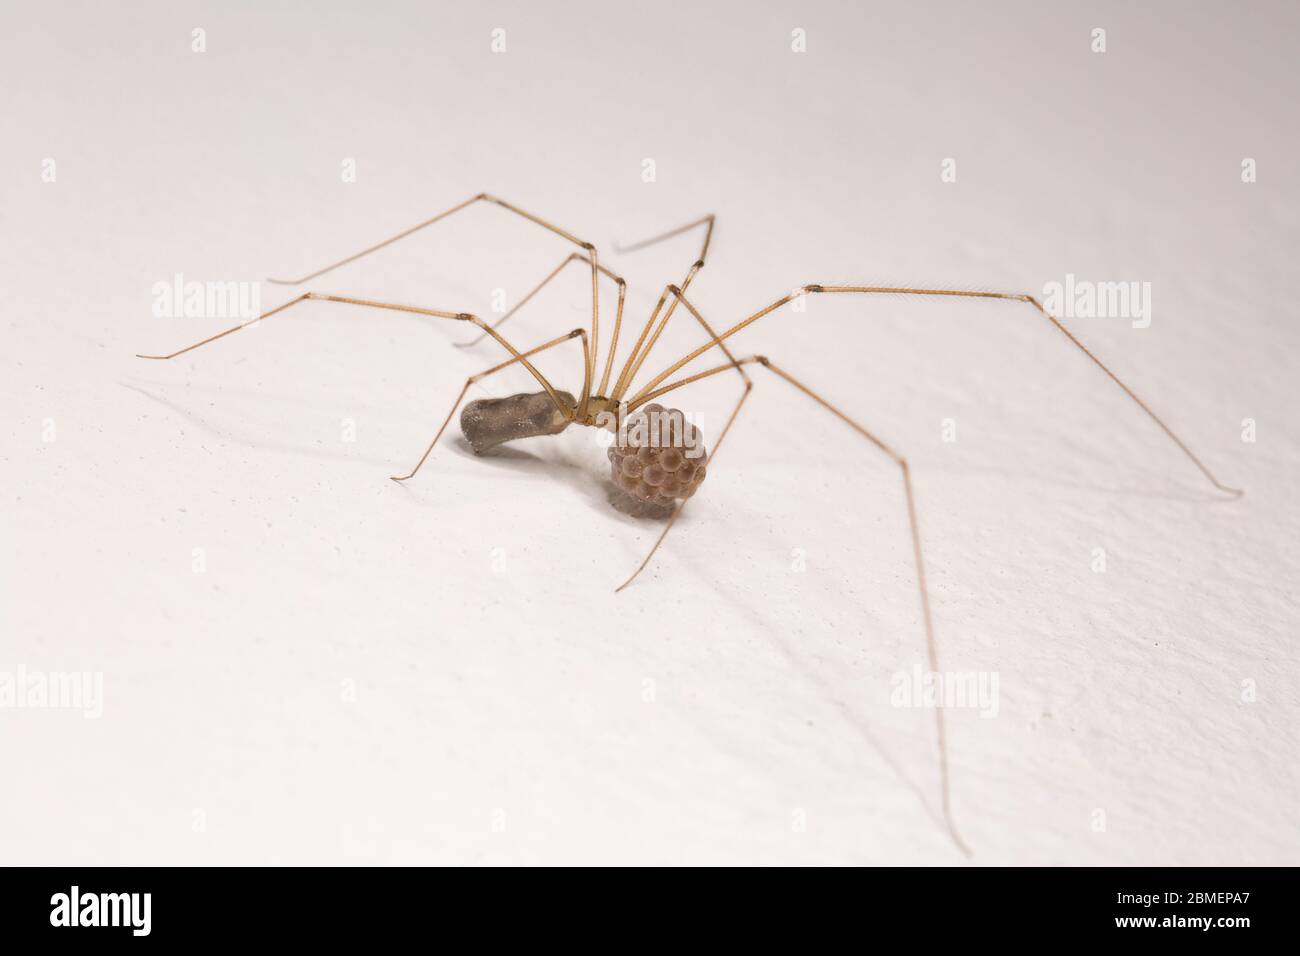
x: 1174, y: 489
x: 577, y: 476
x: 598, y: 492
x: 825, y: 691
x: 216, y: 432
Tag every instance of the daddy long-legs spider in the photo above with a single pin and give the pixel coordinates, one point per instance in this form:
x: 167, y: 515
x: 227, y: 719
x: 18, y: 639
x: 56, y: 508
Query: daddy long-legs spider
x: 644, y: 466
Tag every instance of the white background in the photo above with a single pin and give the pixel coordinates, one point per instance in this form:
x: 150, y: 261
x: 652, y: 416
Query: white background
x: 350, y: 680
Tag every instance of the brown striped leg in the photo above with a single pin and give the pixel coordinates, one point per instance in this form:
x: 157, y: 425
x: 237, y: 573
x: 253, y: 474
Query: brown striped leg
x: 649, y: 388
x: 414, y: 310
x: 587, y: 247
x: 931, y: 645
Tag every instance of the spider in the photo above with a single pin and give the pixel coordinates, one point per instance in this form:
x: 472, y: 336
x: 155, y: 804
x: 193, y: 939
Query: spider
x: 647, y: 471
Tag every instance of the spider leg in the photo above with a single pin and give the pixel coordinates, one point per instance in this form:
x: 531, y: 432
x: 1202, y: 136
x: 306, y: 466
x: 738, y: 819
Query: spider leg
x: 586, y: 247
x: 572, y: 257
x: 481, y: 197
x: 672, y: 519
x: 484, y: 374
x: 641, y: 396
x: 637, y: 356
x: 931, y: 646
x: 634, y: 360
x: 435, y: 313
x: 706, y: 221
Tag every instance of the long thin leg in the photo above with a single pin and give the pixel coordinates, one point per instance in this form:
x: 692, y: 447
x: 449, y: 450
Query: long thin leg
x: 481, y: 197
x: 618, y: 316
x: 643, y: 395
x: 637, y: 355
x: 749, y: 385
x: 435, y: 313
x: 706, y: 221
x: 634, y: 361
x: 482, y: 375
x: 931, y: 645
x: 587, y: 247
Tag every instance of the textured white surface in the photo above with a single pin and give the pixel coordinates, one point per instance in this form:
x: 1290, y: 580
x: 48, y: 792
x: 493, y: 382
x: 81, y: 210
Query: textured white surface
x: 500, y: 716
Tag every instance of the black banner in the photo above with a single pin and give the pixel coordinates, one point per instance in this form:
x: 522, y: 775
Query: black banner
x: 127, y: 906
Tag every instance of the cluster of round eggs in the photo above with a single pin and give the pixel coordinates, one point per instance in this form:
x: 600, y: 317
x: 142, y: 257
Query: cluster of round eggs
x: 655, y: 471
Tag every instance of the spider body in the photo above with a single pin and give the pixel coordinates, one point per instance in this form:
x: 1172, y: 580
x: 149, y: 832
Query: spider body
x: 643, y: 467
x: 489, y: 422
x: 656, y: 458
